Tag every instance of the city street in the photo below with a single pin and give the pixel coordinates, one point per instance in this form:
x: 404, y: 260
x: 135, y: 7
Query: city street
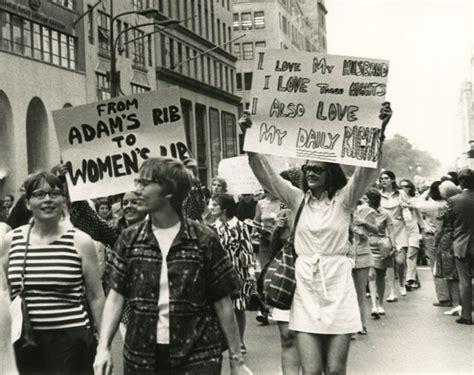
x: 413, y: 338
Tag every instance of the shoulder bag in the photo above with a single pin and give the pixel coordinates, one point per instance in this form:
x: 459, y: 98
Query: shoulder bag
x: 281, y: 285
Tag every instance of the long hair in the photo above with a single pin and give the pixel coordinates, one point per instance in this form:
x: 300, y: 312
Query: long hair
x: 336, y: 179
x: 434, y: 191
x: 392, y: 176
x: 34, y: 182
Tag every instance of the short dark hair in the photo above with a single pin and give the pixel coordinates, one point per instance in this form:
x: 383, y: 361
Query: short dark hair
x: 102, y: 202
x: 466, y: 178
x: 222, y: 182
x: 34, y: 182
x: 392, y: 176
x: 227, y: 203
x: 434, y: 191
x: 175, y: 178
x: 336, y: 179
x: 9, y: 196
x: 374, y: 197
x: 454, y: 177
x: 411, y: 186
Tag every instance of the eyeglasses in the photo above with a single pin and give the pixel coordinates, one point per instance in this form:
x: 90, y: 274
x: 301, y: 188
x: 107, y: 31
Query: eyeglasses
x: 143, y: 182
x: 41, y: 194
x: 315, y: 168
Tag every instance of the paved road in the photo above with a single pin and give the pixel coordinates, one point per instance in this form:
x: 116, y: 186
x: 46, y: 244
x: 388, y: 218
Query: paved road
x: 413, y: 338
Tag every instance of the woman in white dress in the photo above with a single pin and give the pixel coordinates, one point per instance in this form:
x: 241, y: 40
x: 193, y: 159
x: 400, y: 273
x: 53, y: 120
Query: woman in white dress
x: 324, y: 311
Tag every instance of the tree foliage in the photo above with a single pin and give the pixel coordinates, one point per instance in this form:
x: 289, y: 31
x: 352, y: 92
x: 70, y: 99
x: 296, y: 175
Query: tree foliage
x: 402, y: 158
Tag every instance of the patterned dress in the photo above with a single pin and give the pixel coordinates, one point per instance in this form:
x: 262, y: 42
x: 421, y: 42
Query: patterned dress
x: 235, y: 239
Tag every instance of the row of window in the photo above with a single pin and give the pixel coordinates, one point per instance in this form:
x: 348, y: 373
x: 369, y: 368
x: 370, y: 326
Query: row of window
x: 205, y: 23
x: 244, y: 81
x: 132, y: 41
x: 297, y: 38
x: 104, y: 91
x: 245, y: 21
x: 69, y: 4
x: 245, y: 51
x: 30, y: 39
x: 188, y: 61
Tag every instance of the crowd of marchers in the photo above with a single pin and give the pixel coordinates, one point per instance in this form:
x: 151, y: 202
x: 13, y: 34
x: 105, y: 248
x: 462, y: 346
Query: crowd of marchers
x: 174, y: 266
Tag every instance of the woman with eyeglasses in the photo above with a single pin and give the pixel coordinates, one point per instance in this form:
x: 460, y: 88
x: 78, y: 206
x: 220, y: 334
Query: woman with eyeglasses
x: 393, y: 202
x: 415, y: 225
x: 324, y: 310
x: 55, y: 267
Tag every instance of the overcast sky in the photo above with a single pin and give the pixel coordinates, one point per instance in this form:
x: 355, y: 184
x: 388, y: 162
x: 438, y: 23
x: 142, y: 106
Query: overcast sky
x: 429, y: 44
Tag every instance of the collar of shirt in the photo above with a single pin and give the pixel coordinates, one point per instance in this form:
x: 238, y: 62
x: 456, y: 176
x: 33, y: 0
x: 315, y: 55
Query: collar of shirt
x: 186, y: 233
x: 309, y: 196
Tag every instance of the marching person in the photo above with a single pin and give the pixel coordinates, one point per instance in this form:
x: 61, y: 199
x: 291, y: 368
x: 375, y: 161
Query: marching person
x: 324, y: 311
x: 55, y: 295
x: 178, y: 282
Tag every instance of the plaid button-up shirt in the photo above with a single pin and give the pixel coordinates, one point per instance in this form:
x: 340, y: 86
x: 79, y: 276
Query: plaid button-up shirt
x: 199, y: 273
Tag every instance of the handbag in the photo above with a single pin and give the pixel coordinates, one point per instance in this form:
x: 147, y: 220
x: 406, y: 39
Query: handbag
x: 281, y: 284
x: 27, y: 340
x: 253, y: 300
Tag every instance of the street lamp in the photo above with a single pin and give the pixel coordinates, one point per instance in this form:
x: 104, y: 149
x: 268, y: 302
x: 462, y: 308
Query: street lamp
x: 149, y: 13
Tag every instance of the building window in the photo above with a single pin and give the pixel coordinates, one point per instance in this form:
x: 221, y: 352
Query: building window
x: 180, y: 57
x: 171, y: 53
x: 237, y: 50
x: 47, y: 44
x: 27, y: 41
x: 103, y: 87
x: 236, y: 22
x: 218, y: 32
x: 214, y: 130
x: 238, y: 81
x: 229, y: 135
x: 64, y: 50
x: 247, y: 51
x: 69, y: 4
x: 138, y: 89
x: 261, y: 44
x: 248, y: 81
x: 103, y: 29
x: 259, y: 20
x: 284, y: 25
x: 246, y: 21
x: 150, y: 50
x: 55, y: 47
x: 187, y: 111
x: 201, y: 150
x: 90, y: 24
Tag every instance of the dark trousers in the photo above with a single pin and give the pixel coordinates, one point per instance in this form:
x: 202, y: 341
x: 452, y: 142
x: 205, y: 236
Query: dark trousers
x: 163, y: 367
x: 59, y: 352
x: 464, y: 267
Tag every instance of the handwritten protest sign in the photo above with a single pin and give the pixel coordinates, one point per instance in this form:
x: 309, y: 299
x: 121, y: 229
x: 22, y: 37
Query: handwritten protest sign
x: 103, y: 144
x: 317, y: 106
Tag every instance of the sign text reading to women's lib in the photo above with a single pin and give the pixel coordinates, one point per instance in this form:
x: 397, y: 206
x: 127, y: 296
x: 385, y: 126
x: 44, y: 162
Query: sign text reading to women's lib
x: 317, y: 106
x: 103, y: 144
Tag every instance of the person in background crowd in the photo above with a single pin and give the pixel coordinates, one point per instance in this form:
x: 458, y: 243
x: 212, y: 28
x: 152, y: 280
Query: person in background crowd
x: 246, y: 207
x: 324, y: 311
x: 178, y: 280
x: 430, y: 204
x: 196, y: 201
x: 461, y: 208
x: 235, y: 240
x: 382, y: 246
x: 290, y: 362
x: 363, y: 222
x: 6, y: 208
x: 414, y: 224
x: 55, y: 295
x: 445, y: 263
x: 7, y: 355
x: 218, y: 185
x: 265, y: 215
x: 392, y: 202
x: 104, y: 209
x: 20, y: 215
x: 454, y: 176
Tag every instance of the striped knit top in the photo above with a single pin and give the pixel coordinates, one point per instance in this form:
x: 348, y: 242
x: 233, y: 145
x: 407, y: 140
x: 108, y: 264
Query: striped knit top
x: 54, y: 286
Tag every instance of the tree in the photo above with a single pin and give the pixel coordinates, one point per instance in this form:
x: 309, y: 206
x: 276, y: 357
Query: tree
x: 400, y: 157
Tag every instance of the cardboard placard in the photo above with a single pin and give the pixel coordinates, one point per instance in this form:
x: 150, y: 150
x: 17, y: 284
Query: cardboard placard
x: 317, y: 106
x: 103, y: 144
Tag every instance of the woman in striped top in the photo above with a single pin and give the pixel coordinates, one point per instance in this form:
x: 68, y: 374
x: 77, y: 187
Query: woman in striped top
x: 61, y: 273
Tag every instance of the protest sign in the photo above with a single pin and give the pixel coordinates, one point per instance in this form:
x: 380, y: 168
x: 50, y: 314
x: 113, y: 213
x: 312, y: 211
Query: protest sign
x: 237, y: 174
x: 317, y: 106
x: 103, y: 144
